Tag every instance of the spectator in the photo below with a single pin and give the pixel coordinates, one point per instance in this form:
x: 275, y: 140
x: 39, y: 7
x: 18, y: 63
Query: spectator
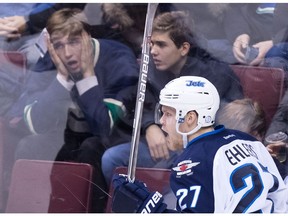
x: 12, y: 28
x: 247, y: 116
x: 20, y: 27
x: 218, y: 165
x: 280, y: 120
x: 277, y: 55
x: 125, y: 22
x: 89, y: 70
x: 209, y: 20
x: 280, y: 124
x: 257, y: 26
x: 174, y: 54
x: 12, y: 22
x: 21, y: 23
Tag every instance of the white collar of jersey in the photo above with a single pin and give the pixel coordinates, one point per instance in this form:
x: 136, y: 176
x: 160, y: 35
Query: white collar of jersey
x: 96, y: 49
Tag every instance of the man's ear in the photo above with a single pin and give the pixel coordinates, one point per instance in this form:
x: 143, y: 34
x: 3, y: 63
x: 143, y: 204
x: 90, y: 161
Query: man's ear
x: 191, y: 117
x: 185, y: 48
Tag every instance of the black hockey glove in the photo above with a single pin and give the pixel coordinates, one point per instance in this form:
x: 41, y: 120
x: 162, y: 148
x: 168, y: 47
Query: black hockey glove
x: 135, y: 197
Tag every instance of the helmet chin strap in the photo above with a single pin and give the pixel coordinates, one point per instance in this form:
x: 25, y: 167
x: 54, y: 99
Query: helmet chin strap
x: 185, y: 135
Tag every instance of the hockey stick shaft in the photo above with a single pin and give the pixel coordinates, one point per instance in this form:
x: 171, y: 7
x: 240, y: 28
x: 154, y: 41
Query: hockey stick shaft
x: 151, y: 10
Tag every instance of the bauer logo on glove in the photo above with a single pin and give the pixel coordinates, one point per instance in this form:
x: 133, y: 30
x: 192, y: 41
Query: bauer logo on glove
x: 134, y: 197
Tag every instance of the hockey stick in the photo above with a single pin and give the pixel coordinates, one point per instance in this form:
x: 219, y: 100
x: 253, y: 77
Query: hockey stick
x: 151, y: 10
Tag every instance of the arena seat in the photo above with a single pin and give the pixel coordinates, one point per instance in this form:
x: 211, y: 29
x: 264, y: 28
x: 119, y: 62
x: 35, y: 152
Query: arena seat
x: 14, y: 57
x: 15, y: 60
x: 156, y: 180
x: 264, y: 85
x: 50, y: 187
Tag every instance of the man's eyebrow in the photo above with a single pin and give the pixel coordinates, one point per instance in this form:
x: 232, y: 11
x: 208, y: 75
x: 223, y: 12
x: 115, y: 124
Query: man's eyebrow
x: 158, y: 41
x: 58, y: 38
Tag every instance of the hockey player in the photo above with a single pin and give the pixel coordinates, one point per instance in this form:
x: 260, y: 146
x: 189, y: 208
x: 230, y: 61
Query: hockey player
x: 220, y: 170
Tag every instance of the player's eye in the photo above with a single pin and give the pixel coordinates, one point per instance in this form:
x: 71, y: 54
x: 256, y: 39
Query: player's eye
x: 168, y: 114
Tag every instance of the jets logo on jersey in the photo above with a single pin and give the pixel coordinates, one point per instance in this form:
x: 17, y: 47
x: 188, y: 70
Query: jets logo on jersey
x: 185, y: 167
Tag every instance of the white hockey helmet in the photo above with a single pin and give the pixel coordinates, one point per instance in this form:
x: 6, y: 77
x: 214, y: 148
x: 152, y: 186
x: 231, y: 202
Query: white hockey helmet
x: 191, y: 93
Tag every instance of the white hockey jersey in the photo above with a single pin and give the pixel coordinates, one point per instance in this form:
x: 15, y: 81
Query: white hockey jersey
x: 227, y: 171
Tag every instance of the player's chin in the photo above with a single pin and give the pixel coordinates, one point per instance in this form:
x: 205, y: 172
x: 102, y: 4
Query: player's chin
x: 174, y: 147
x: 170, y: 144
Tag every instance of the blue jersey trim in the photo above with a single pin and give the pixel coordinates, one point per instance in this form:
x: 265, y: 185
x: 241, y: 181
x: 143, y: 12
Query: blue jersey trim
x: 216, y: 130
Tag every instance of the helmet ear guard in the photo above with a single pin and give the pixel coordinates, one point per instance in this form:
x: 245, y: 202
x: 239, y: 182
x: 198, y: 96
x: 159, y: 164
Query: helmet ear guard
x: 191, y: 93
x: 157, y: 114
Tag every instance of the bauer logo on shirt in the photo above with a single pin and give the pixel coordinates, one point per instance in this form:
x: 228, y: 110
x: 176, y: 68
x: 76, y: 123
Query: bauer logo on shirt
x: 185, y: 167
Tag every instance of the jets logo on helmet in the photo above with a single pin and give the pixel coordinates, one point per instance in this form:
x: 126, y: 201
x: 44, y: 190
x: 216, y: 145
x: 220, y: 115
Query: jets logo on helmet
x: 193, y: 83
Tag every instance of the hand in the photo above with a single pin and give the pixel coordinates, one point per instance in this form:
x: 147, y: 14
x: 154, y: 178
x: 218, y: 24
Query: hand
x: 240, y: 44
x: 87, y: 56
x: 156, y: 142
x: 61, y: 69
x: 18, y: 22
x: 263, y: 48
x: 10, y: 32
x: 134, y: 197
x: 274, y: 148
